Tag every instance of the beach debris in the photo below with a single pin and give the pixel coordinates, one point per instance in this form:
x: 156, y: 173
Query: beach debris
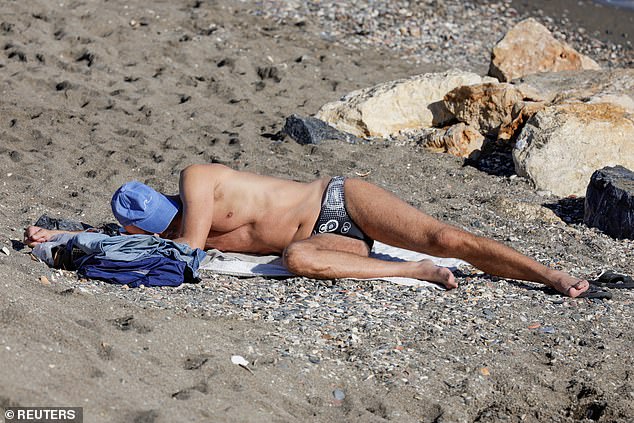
x: 310, y: 130
x: 609, y: 203
x: 534, y: 325
x: 529, y: 47
x: 5, y: 250
x: 338, y: 394
x: 44, y: 280
x: 485, y: 371
x: 241, y: 361
x: 388, y: 108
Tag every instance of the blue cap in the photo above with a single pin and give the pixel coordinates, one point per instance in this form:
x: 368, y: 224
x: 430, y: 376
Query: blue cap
x: 137, y: 204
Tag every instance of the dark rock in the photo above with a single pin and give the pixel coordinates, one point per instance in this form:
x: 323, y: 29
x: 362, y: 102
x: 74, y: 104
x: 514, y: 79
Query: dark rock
x: 310, y: 130
x: 64, y: 85
x: 47, y: 222
x: 609, y: 204
x: 269, y: 72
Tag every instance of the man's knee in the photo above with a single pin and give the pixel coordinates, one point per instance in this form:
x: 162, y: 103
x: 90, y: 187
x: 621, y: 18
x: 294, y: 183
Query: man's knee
x: 296, y: 257
x: 449, y: 240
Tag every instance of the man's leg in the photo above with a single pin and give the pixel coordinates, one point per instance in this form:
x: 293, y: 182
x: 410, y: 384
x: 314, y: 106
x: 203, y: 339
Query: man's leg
x: 329, y: 256
x: 388, y: 219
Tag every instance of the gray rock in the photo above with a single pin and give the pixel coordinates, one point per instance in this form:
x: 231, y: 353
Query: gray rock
x: 609, y: 204
x: 338, y: 394
x: 310, y: 130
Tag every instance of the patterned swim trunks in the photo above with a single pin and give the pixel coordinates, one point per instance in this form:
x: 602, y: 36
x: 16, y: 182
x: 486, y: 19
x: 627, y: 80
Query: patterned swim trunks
x: 333, y: 217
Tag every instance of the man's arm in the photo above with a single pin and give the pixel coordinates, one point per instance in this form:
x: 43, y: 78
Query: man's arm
x: 34, y: 235
x: 196, y: 187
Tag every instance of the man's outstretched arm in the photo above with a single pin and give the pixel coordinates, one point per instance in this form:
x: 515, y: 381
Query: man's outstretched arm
x: 34, y: 235
x: 197, y: 197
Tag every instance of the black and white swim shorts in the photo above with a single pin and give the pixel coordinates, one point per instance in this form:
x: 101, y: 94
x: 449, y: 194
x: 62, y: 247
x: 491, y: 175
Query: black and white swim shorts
x: 333, y: 216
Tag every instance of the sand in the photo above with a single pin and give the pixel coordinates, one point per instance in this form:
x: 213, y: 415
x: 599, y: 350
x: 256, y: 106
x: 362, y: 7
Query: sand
x: 98, y: 93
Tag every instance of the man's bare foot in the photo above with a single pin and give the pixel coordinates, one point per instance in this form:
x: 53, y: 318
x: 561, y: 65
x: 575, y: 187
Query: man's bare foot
x: 428, y: 271
x: 568, y: 285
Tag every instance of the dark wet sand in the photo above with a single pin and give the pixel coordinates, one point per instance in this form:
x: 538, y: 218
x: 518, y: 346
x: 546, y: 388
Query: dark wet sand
x: 607, y: 23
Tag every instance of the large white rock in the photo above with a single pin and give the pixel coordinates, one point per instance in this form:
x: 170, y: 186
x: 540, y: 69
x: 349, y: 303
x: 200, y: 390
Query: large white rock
x: 496, y: 110
x: 388, y: 108
x: 562, y: 145
x: 529, y: 48
x: 500, y: 110
x: 614, y: 86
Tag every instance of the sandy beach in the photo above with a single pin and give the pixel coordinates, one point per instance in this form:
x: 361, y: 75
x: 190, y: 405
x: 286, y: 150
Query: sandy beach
x: 97, y: 93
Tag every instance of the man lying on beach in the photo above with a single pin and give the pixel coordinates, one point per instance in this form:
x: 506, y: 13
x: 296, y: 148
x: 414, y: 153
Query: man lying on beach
x: 323, y: 229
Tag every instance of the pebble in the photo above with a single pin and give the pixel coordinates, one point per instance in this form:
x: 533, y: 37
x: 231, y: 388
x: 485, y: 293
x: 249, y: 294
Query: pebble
x: 6, y: 250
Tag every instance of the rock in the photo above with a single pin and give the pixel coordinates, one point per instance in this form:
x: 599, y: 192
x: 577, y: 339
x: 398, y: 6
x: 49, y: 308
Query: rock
x: 309, y: 130
x: 496, y: 110
x: 561, y: 145
x: 338, y: 394
x: 614, y: 86
x: 501, y: 110
x: 459, y: 140
x: 388, y: 108
x: 525, y: 211
x: 529, y: 48
x: 609, y: 204
x: 47, y: 222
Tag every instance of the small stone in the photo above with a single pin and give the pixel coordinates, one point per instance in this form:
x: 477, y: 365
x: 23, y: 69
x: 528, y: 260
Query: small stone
x: 6, y: 250
x: 338, y: 394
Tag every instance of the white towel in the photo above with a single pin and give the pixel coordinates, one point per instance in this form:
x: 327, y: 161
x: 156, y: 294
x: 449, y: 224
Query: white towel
x: 246, y: 265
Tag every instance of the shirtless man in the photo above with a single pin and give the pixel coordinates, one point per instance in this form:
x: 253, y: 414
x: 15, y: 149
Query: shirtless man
x: 320, y: 232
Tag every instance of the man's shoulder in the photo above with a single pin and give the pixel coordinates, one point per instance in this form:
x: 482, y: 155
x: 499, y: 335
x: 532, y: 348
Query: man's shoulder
x: 215, y: 170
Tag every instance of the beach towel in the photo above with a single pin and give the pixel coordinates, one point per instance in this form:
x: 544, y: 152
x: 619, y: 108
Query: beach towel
x: 247, y: 265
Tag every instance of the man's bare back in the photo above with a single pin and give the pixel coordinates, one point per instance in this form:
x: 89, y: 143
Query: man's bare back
x: 218, y: 207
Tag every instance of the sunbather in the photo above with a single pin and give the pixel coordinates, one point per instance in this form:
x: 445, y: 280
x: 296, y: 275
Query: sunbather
x: 324, y: 229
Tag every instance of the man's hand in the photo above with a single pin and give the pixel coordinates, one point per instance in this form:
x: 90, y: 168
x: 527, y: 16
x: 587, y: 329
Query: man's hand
x: 34, y: 235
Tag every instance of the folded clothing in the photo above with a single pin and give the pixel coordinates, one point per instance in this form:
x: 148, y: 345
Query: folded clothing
x: 132, y: 259
x: 151, y: 271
